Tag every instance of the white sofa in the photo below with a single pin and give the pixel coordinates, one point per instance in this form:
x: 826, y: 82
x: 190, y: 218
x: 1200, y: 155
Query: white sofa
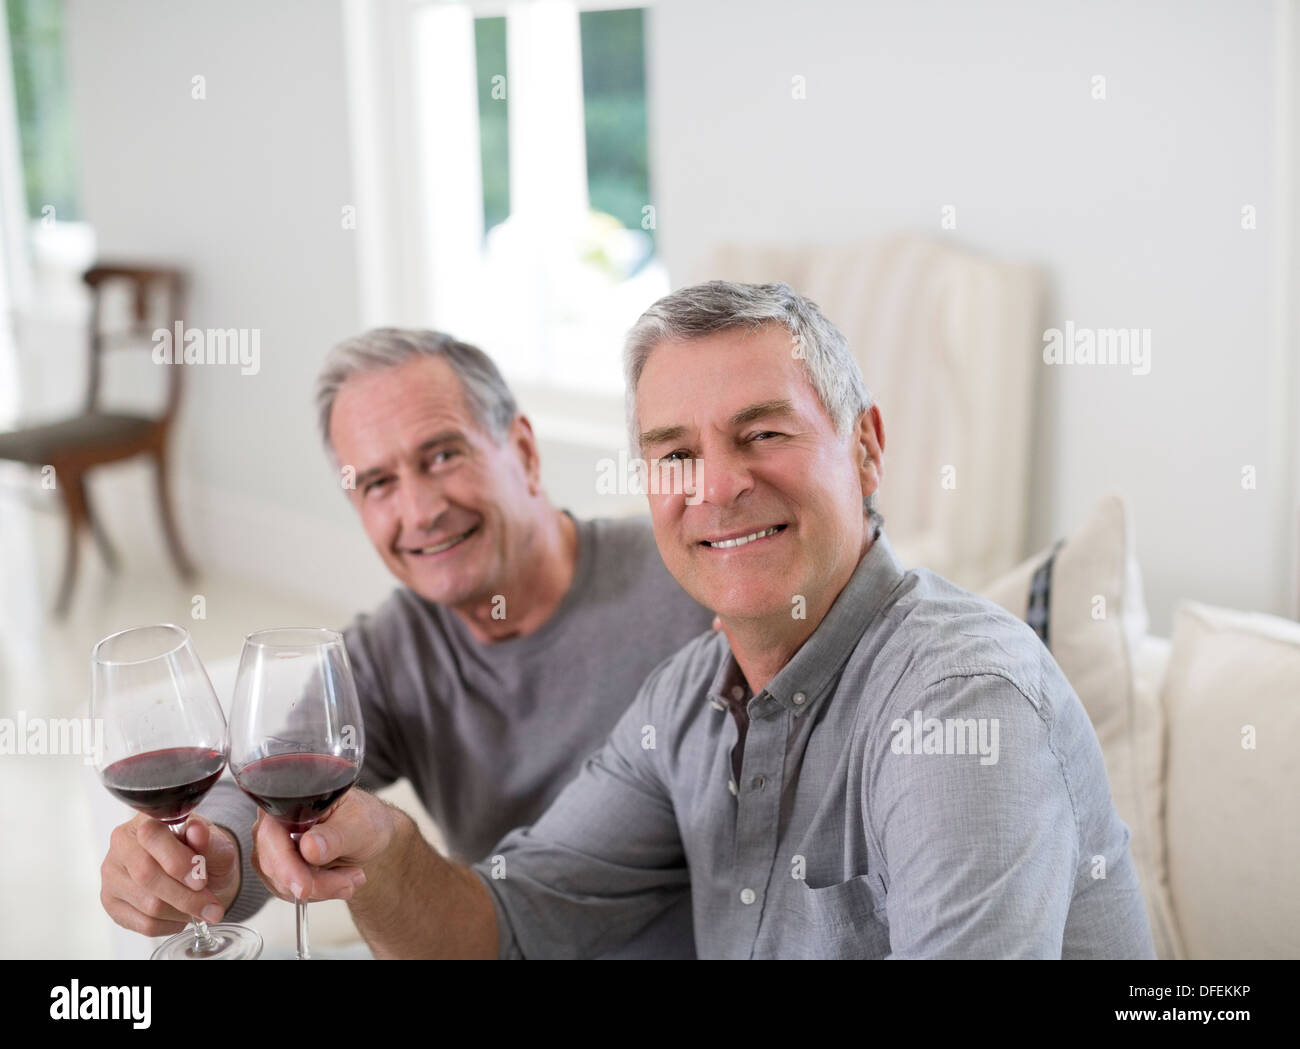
x: 1229, y: 688
x: 1199, y: 735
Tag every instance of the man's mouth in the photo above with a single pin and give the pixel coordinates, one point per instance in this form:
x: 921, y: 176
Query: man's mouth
x: 743, y: 539
x: 439, y: 548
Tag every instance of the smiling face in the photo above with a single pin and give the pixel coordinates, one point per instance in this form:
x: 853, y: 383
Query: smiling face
x: 445, y: 506
x: 777, y: 508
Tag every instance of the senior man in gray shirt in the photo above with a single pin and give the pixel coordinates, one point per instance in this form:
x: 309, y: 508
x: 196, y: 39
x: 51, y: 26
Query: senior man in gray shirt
x: 519, y: 637
x: 868, y: 762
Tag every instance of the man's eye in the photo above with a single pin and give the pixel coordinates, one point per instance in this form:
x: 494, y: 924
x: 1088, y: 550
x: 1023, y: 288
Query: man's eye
x: 764, y: 433
x: 673, y: 457
x: 370, y: 486
x: 440, y: 457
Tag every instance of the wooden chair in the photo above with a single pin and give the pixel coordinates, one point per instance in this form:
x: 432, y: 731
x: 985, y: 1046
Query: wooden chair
x: 76, y: 445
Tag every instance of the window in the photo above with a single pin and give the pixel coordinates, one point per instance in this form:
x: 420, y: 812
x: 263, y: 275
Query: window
x: 614, y: 112
x: 44, y: 113
x: 538, y: 223
x: 493, y: 118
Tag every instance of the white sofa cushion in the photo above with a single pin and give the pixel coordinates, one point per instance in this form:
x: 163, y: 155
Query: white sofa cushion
x: 1234, y: 848
x: 1097, y: 622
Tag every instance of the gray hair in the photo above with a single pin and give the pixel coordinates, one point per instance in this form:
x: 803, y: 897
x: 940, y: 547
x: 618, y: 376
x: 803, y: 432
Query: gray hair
x: 486, y: 392
x: 700, y: 310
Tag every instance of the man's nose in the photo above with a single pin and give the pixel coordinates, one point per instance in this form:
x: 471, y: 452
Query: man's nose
x: 722, y: 475
x: 421, y: 505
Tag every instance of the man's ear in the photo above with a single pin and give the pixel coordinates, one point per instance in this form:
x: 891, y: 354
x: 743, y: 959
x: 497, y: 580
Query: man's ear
x: 522, y: 440
x: 869, y: 445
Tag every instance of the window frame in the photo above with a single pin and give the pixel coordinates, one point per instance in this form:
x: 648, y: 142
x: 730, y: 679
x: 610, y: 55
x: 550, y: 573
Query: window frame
x: 392, y: 267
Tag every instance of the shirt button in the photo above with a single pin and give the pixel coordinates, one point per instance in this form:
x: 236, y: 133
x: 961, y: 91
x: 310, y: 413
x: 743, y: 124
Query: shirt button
x: 716, y: 705
x: 747, y: 896
x: 737, y: 692
x: 731, y: 786
x: 799, y: 699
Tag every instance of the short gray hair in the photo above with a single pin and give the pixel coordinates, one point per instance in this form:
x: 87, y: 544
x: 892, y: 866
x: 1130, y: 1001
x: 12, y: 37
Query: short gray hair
x: 700, y: 310
x: 486, y: 392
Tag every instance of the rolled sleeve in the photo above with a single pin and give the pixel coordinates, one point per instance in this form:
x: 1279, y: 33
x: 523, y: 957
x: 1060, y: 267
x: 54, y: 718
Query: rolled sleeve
x: 599, y: 865
x: 981, y: 856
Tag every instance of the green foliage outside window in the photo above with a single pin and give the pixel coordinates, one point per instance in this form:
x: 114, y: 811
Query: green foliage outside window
x: 44, y: 109
x: 613, y: 89
x: 493, y: 114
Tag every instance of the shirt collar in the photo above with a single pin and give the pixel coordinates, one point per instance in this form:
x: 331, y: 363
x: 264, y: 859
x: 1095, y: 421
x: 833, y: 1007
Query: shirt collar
x: 803, y: 682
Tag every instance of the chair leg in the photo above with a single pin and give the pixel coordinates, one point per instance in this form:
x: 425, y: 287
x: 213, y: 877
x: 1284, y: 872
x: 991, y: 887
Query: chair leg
x: 71, y: 488
x: 101, y: 537
x: 183, y: 564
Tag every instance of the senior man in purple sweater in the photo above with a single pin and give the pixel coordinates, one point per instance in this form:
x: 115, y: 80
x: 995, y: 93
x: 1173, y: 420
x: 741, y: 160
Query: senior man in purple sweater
x: 488, y: 715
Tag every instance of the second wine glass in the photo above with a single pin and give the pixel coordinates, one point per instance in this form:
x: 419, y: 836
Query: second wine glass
x: 296, y: 738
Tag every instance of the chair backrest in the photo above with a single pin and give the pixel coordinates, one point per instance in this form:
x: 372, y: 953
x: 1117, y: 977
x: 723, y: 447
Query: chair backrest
x: 144, y: 282
x: 948, y: 342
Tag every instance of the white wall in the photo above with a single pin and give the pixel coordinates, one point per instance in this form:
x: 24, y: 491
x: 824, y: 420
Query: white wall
x: 1132, y: 203
x: 244, y: 188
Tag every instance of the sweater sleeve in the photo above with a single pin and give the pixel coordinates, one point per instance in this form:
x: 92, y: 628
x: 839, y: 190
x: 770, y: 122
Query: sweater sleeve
x: 229, y: 807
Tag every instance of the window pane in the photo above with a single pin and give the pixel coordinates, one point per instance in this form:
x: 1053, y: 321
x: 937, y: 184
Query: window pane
x: 44, y: 113
x: 493, y: 118
x: 613, y: 89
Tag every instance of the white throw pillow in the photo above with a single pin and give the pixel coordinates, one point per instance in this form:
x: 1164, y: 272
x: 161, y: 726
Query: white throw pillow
x: 1096, y: 620
x: 1232, y: 702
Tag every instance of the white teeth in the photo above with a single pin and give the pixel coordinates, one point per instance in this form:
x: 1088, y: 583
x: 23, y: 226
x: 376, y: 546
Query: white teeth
x: 444, y: 546
x: 742, y: 540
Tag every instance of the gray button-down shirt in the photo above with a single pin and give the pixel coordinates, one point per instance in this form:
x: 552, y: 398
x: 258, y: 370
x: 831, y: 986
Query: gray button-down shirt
x: 920, y: 780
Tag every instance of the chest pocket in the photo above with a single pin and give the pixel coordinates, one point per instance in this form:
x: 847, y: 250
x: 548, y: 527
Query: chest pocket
x: 846, y: 920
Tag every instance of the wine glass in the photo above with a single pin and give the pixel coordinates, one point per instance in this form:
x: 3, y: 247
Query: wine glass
x: 296, y: 739
x: 164, y: 748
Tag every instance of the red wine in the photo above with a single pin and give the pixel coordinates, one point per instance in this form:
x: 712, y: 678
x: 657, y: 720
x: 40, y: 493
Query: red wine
x: 165, y: 784
x: 297, y: 789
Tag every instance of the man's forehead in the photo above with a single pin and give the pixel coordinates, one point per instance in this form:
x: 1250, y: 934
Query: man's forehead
x: 767, y: 380
x: 771, y: 340
x: 402, y: 405
x: 421, y: 385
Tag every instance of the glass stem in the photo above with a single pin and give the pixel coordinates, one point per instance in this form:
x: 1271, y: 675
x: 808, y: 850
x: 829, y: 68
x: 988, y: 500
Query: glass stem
x: 304, y: 950
x: 300, y: 917
x: 204, y: 941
